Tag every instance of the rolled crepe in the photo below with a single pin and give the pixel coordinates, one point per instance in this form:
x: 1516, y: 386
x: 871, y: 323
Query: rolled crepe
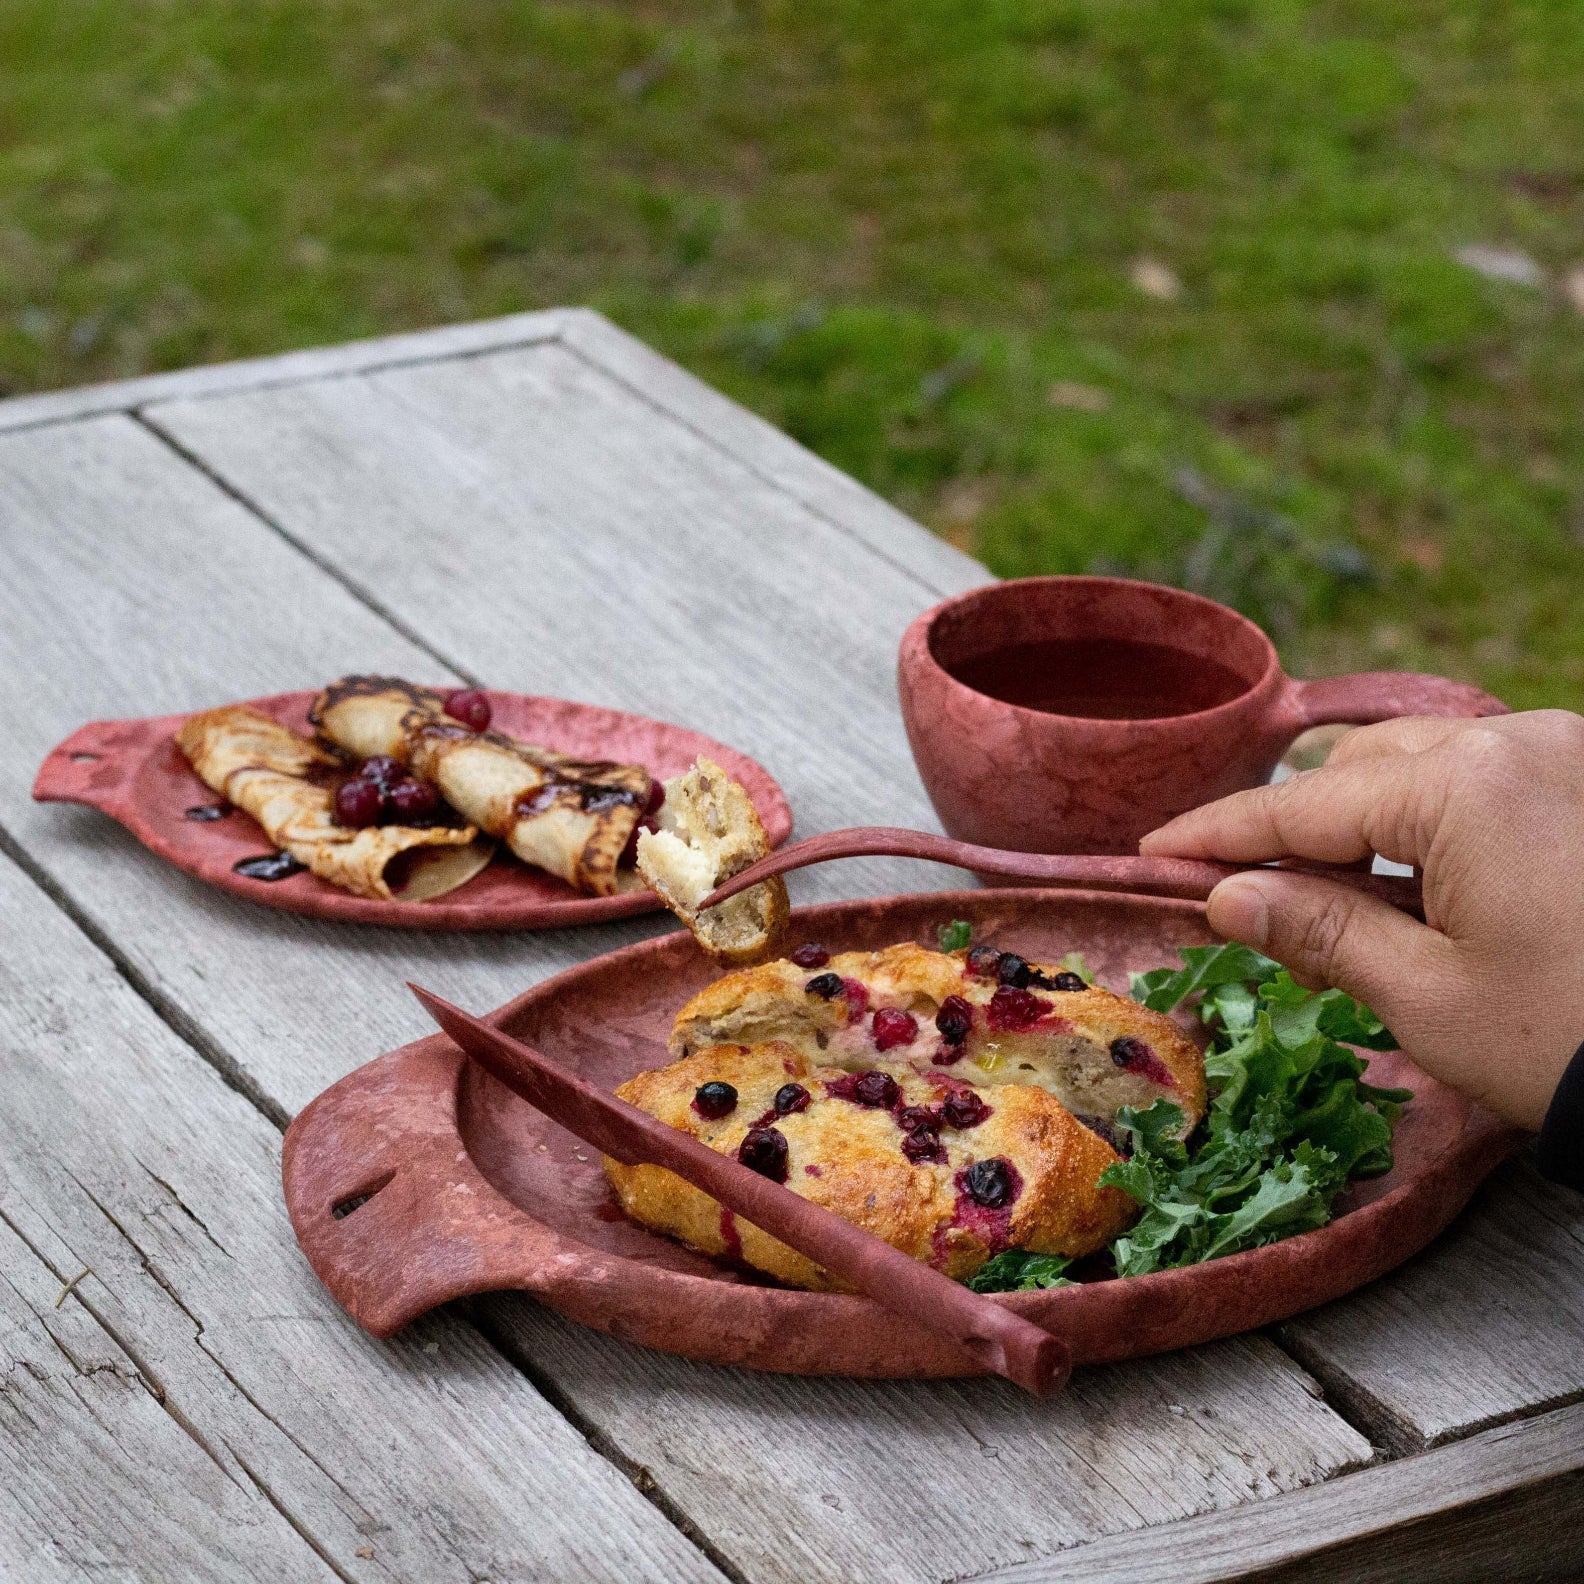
x: 265, y: 769
x: 572, y: 817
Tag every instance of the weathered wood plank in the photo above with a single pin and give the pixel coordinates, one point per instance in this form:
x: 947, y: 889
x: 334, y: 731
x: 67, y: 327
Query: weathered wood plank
x: 95, y: 1475
x: 283, y: 368
x: 121, y: 1152
x: 135, y: 587
x: 1487, y: 1325
x: 765, y: 450
x: 1504, y: 1505
x: 832, y: 1479
x: 607, y: 554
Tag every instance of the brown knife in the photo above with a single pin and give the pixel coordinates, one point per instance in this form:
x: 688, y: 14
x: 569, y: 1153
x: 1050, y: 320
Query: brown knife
x: 995, y: 1337
x: 1192, y: 878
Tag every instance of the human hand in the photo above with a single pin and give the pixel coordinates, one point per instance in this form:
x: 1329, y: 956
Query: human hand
x: 1488, y: 993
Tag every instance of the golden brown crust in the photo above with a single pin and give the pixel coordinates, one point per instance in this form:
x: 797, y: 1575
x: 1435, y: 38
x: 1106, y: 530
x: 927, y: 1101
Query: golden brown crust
x: 571, y: 817
x: 860, y: 1172
x: 1068, y: 1050
x: 262, y: 767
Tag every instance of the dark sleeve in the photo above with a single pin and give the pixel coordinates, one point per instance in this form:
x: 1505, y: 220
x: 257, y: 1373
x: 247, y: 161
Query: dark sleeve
x: 1561, y: 1149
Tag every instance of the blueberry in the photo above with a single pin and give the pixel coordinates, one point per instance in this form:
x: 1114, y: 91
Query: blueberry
x: 1013, y: 970
x: 954, y: 1020
x: 764, y: 1150
x: 989, y: 1183
x: 1067, y: 981
x: 1126, y: 1051
x: 790, y: 1098
x: 983, y: 962
x: 827, y: 986
x: 715, y: 1100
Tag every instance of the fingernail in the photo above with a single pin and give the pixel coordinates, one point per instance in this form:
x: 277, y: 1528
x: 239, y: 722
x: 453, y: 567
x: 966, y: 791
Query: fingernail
x: 1238, y: 910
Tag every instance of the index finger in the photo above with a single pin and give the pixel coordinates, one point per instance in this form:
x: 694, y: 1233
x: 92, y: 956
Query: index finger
x: 1336, y: 814
x: 1405, y: 734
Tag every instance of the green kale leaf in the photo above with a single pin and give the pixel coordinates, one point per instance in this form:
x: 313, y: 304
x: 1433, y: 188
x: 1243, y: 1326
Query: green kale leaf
x: 1017, y: 1270
x: 1290, y: 1121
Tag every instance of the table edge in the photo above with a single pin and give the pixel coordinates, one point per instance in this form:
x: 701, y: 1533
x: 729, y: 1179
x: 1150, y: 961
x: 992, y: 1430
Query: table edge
x: 1356, y: 1526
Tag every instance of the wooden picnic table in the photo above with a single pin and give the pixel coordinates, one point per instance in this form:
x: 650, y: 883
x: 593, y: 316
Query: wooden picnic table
x: 544, y: 504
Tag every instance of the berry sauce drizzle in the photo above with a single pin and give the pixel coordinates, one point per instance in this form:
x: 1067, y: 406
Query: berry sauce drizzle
x: 269, y: 866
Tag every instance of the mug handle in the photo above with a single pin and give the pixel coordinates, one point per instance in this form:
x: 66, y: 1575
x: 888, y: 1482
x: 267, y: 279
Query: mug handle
x: 1369, y: 696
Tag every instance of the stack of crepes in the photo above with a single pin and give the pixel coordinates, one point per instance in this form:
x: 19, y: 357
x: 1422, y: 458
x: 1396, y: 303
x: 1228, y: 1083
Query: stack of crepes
x: 571, y: 817
x: 285, y: 782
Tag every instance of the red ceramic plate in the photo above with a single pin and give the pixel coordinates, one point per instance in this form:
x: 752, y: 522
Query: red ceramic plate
x: 419, y: 1179
x: 135, y: 773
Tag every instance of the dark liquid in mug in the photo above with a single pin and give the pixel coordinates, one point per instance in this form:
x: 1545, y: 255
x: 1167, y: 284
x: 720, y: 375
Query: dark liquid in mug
x: 1101, y: 678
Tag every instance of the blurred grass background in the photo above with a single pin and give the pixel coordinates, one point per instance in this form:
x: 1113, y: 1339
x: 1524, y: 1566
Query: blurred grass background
x: 1181, y: 288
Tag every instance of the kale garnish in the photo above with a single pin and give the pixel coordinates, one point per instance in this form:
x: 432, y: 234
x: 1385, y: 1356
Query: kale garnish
x: 1291, y: 1120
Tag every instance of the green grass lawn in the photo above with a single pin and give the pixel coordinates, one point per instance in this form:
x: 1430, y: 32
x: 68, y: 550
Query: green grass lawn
x: 911, y: 232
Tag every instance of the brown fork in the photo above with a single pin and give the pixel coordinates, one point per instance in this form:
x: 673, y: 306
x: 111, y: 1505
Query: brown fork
x: 1192, y: 878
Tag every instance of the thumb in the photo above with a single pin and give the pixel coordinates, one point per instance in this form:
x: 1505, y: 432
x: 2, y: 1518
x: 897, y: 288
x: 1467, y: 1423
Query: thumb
x: 1326, y: 933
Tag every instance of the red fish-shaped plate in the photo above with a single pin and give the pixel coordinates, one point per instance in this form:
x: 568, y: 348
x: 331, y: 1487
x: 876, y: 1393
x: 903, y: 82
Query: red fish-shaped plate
x: 133, y: 771
x: 419, y: 1178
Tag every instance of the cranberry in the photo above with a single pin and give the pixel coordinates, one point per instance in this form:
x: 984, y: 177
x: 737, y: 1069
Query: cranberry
x: 764, y: 1150
x: 656, y: 796
x: 893, y: 1026
x: 358, y: 804
x: 911, y: 1118
x: 964, y: 1109
x: 811, y: 956
x: 1126, y: 1051
x: 990, y: 1183
x: 469, y: 706
x: 874, y: 1088
x: 383, y: 771
x: 1068, y: 981
x: 414, y: 800
x: 857, y: 997
x: 954, y: 1020
x: 1011, y: 1009
x: 923, y: 1144
x: 826, y: 986
x: 714, y: 1100
x: 983, y: 962
x: 790, y: 1098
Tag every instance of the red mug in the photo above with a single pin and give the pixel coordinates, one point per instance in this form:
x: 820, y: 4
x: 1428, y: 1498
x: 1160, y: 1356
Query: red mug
x: 1074, y: 714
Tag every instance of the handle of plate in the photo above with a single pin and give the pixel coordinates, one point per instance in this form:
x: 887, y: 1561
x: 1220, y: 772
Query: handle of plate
x: 369, y: 1206
x: 90, y: 767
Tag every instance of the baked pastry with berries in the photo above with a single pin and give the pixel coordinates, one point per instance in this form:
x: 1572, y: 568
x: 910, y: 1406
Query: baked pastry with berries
x: 988, y: 1016
x: 705, y: 831
x: 947, y: 1171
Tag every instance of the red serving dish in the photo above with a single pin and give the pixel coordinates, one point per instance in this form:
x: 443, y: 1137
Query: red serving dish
x: 134, y: 772
x: 418, y: 1178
